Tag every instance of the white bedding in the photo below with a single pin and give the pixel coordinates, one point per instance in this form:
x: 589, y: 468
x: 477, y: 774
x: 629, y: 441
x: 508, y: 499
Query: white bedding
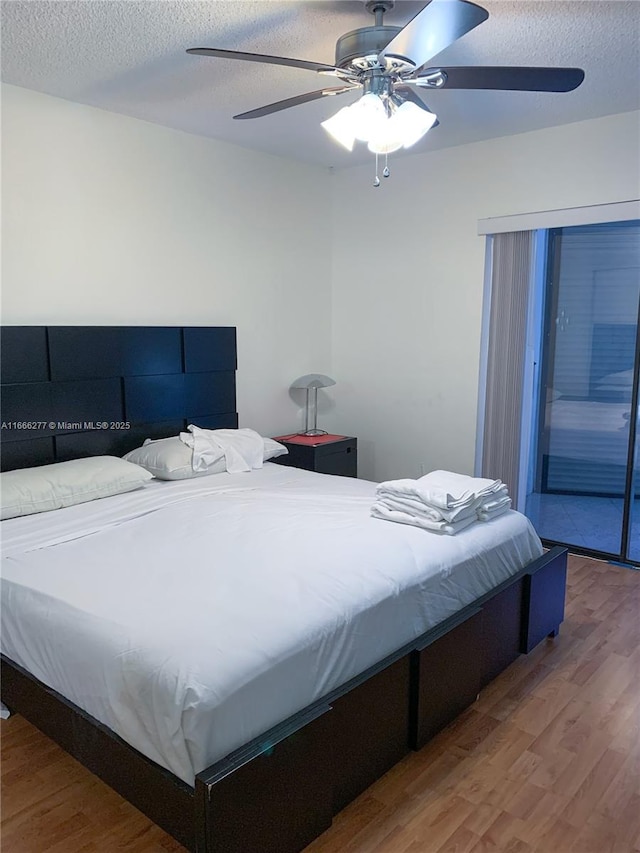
x: 191, y: 616
x: 588, y: 430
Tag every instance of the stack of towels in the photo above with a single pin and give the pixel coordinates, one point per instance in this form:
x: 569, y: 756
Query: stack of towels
x: 441, y: 501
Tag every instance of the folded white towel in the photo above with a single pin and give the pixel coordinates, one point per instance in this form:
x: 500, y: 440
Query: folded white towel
x: 461, y: 484
x: 243, y: 449
x: 412, y: 506
x: 488, y: 514
x: 443, y: 490
x: 500, y: 500
x: 442, y: 501
x: 448, y: 528
x: 434, y: 496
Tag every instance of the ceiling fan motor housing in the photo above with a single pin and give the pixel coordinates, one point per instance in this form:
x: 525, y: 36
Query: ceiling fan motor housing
x: 353, y: 48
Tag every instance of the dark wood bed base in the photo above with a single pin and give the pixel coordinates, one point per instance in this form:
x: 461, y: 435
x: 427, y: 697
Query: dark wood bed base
x: 281, y: 790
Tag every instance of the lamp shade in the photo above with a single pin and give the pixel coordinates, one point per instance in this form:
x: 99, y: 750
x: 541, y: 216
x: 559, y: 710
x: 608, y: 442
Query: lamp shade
x: 313, y: 380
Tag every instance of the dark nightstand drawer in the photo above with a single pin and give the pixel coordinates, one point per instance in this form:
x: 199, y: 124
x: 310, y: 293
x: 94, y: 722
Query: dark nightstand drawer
x: 332, y: 457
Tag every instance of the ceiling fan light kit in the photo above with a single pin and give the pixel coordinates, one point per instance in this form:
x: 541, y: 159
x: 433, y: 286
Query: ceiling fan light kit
x: 384, y: 121
x: 388, y: 65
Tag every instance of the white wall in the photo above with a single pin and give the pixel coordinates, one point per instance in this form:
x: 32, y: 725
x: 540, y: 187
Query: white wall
x: 110, y: 220
x: 408, y: 279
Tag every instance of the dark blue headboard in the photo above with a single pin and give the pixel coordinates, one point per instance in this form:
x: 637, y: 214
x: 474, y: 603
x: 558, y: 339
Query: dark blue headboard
x: 71, y: 391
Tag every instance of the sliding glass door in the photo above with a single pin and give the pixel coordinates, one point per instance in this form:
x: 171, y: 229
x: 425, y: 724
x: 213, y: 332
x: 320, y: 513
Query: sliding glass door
x: 631, y: 541
x: 582, y: 479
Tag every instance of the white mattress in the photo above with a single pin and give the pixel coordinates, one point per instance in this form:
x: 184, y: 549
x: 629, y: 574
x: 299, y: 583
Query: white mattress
x: 191, y: 616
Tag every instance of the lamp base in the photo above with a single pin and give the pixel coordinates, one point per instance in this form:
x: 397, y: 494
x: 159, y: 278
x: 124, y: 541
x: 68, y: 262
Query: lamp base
x: 313, y: 432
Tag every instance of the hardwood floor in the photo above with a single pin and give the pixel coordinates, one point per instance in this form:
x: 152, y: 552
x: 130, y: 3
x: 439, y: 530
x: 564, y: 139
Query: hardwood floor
x: 546, y: 761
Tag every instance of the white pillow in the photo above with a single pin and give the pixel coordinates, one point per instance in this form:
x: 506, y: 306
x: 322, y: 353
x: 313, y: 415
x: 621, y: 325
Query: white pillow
x: 621, y: 379
x: 272, y: 449
x: 29, y: 490
x: 171, y: 459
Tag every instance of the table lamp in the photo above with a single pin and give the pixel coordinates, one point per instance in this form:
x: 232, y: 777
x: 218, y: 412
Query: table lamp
x: 311, y: 382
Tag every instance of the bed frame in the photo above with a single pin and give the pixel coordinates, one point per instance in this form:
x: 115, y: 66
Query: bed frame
x: 71, y: 391
x: 281, y: 790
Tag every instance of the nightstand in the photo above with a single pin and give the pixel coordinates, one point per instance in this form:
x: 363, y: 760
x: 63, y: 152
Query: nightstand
x: 325, y: 454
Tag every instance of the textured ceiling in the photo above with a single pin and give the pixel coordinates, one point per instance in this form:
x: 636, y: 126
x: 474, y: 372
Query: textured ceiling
x: 129, y: 57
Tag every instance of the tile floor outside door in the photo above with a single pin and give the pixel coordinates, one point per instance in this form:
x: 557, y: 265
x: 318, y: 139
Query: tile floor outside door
x: 584, y: 521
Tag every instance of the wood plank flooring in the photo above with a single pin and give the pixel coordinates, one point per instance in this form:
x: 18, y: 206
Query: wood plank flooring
x: 547, y: 760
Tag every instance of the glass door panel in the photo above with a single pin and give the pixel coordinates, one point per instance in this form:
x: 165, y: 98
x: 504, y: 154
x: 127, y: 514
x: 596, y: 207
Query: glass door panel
x: 631, y: 550
x: 589, y: 353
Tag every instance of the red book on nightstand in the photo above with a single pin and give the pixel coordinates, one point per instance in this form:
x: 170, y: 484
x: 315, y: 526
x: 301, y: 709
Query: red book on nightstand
x: 313, y: 440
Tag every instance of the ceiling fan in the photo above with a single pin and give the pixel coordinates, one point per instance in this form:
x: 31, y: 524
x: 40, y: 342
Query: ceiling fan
x: 388, y: 64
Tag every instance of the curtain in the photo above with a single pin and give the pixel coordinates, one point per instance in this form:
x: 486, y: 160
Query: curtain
x: 511, y: 271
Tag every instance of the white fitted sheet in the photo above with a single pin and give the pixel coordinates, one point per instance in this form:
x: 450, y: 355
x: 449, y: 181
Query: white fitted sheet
x: 191, y: 616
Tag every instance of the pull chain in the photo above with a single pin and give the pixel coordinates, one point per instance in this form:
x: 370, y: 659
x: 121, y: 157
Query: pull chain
x: 385, y: 172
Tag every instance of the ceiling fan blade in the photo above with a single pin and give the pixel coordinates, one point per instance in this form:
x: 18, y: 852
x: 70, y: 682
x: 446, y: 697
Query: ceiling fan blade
x: 435, y: 27
x: 261, y: 57
x: 293, y: 102
x: 506, y: 78
x: 410, y: 94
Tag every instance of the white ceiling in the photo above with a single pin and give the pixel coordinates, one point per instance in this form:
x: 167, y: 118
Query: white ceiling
x: 129, y: 57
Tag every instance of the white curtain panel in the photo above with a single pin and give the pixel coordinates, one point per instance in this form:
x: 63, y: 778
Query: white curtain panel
x: 510, y: 285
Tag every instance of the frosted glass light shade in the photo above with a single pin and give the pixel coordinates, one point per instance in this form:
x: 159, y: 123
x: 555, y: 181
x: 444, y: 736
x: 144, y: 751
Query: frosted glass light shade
x: 340, y: 127
x: 361, y: 120
x: 407, y: 125
x: 387, y: 139
x: 412, y: 122
x: 369, y: 116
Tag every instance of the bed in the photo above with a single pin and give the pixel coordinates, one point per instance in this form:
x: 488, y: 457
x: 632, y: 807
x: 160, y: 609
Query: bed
x: 588, y: 445
x: 234, y: 720
x: 586, y: 438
